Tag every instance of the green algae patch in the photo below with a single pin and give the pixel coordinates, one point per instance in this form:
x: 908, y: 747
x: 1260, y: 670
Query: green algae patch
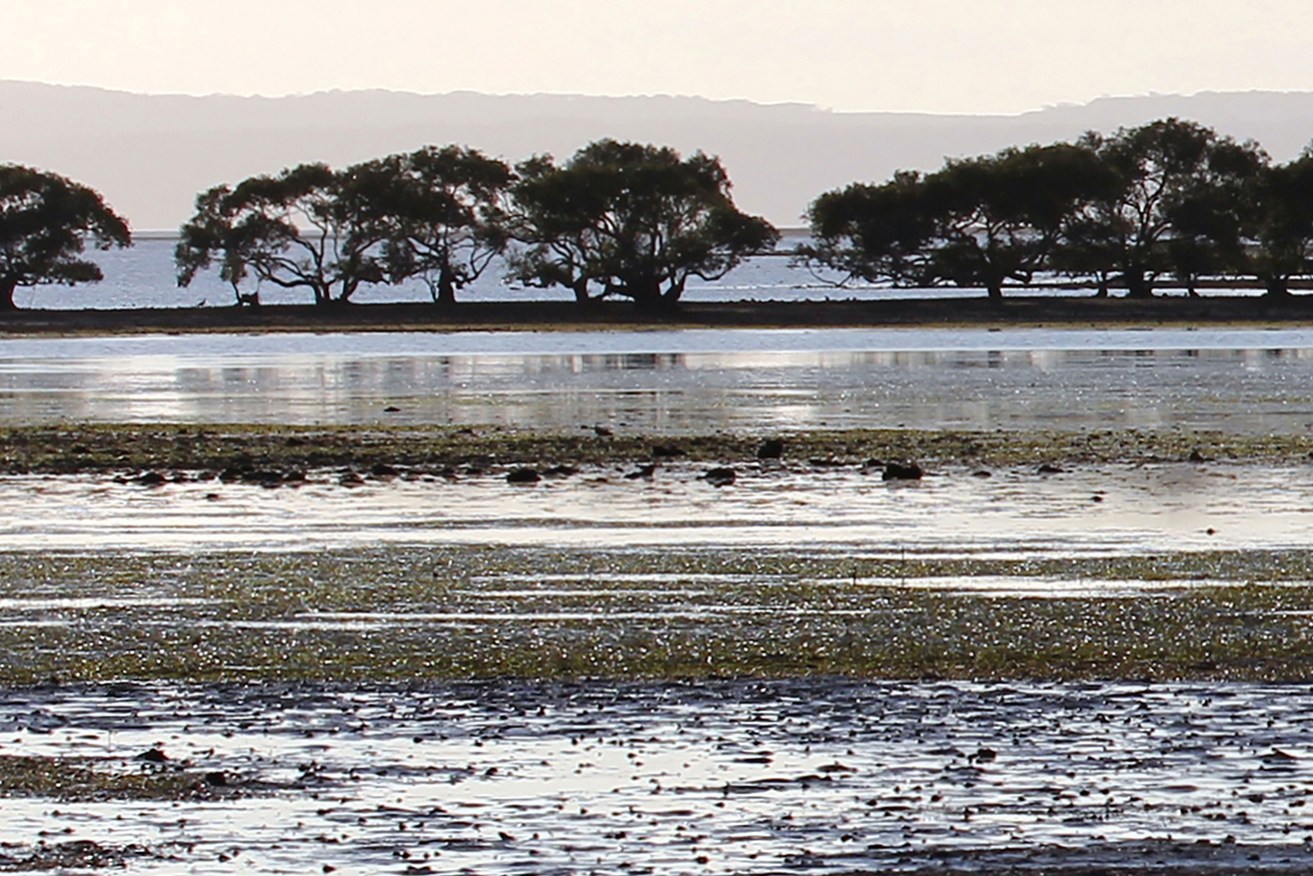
x: 417, y: 614
x: 285, y: 451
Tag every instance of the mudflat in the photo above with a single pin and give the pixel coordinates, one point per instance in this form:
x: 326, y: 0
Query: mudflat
x: 546, y: 315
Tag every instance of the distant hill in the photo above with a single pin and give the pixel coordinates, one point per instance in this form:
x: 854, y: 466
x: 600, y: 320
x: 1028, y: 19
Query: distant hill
x: 151, y: 154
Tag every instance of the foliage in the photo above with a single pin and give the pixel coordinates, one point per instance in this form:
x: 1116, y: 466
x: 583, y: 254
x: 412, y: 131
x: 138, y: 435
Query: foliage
x: 1161, y: 169
x: 1277, y: 224
x: 872, y: 233
x: 629, y: 220
x: 444, y: 216
x: 307, y: 227
x: 45, y: 223
x: 998, y: 218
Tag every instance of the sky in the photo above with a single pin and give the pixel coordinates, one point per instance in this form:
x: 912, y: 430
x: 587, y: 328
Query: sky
x: 941, y: 56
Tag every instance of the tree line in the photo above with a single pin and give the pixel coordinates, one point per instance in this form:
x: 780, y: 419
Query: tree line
x: 1167, y: 199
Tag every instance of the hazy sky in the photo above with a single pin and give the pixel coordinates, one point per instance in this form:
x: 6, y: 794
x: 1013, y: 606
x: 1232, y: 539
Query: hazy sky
x: 979, y: 56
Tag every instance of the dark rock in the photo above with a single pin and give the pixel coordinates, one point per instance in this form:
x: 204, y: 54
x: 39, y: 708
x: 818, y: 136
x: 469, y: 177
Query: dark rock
x: 523, y: 476
x: 982, y: 473
x: 667, y: 451
x: 153, y: 755
x: 392, y: 409
x: 898, y: 471
x: 1196, y: 457
x: 644, y: 472
x: 232, y: 475
x: 985, y: 755
x: 351, y: 479
x: 561, y: 471
x: 150, y: 479
x: 720, y: 477
x: 1051, y: 469
x: 216, y: 779
x: 602, y: 432
x: 771, y: 448
x: 383, y: 470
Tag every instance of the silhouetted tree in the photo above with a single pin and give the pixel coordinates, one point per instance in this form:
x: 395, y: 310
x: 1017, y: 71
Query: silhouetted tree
x: 444, y: 216
x: 1155, y: 165
x: 46, y: 221
x: 308, y: 227
x: 1206, y: 213
x: 1277, y: 222
x: 631, y: 220
x: 997, y: 218
x: 874, y: 233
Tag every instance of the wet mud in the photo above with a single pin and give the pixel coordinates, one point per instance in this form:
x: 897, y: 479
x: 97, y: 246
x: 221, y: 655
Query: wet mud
x: 816, y: 776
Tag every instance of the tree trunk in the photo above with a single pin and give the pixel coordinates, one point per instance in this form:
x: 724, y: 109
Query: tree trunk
x: 446, y: 287
x: 1277, y: 287
x: 1137, y: 286
x: 7, y: 288
x: 995, y: 289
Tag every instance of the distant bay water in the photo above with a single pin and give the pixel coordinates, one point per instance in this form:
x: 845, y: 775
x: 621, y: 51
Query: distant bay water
x: 145, y: 276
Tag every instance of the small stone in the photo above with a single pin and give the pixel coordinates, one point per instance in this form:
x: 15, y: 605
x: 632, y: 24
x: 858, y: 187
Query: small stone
x: 897, y: 471
x: 771, y: 448
x: 720, y: 477
x: 523, y: 476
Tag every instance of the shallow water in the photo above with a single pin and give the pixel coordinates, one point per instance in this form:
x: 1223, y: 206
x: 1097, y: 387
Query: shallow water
x: 678, y: 382
x: 1115, y: 510
x: 812, y: 776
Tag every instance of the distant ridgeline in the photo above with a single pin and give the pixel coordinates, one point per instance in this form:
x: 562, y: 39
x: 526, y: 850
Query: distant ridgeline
x: 1167, y: 200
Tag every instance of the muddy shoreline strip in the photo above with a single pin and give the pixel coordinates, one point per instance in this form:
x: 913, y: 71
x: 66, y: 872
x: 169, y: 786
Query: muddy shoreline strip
x: 1014, y: 312
x: 249, y: 449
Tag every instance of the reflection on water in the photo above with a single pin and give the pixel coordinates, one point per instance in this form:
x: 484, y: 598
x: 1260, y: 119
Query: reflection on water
x: 678, y: 381
x: 1141, y: 510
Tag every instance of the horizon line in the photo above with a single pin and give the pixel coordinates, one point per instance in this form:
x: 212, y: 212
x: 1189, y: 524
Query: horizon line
x: 795, y: 104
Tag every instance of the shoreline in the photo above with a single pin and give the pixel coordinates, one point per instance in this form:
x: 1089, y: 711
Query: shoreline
x: 1011, y: 312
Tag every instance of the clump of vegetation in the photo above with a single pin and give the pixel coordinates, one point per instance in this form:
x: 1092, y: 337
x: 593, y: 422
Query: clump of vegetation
x: 83, y: 780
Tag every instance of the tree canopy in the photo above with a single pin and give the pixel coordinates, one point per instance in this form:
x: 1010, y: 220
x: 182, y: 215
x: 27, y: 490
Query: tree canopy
x: 444, y: 216
x: 46, y: 222
x: 630, y: 220
x: 1169, y: 197
x: 308, y: 227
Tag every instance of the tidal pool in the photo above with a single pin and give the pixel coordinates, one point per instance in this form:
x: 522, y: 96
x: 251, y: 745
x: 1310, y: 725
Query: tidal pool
x: 814, y: 776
